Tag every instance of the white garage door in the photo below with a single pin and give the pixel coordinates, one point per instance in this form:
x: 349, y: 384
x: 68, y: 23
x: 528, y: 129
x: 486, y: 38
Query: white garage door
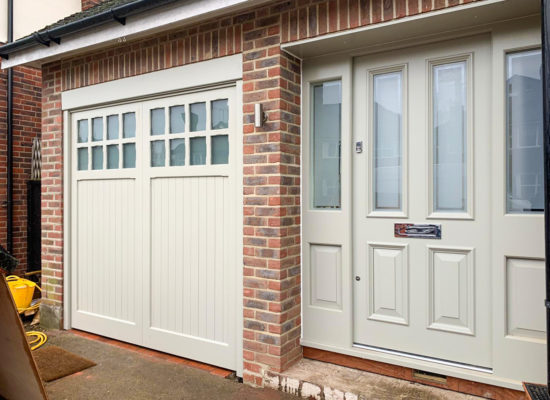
x: 154, y: 224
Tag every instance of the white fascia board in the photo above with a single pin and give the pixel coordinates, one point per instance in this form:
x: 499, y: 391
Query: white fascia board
x: 198, y: 75
x: 137, y: 26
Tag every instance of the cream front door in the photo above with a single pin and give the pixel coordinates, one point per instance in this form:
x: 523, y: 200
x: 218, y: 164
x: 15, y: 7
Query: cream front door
x: 422, y: 201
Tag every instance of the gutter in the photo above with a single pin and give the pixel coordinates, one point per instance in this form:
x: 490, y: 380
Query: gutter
x: 46, y: 36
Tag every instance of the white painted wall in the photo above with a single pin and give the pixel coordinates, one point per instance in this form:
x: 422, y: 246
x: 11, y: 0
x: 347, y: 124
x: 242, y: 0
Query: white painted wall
x: 32, y: 15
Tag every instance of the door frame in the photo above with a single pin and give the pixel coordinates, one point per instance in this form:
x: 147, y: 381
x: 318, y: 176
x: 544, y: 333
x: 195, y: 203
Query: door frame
x: 165, y: 83
x: 321, y: 67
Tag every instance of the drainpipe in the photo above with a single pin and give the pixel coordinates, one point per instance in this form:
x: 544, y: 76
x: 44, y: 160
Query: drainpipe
x: 10, y: 136
x: 545, y: 31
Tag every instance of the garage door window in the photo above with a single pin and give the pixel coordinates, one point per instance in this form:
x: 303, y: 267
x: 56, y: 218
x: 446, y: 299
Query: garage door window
x: 201, y: 139
x: 109, y: 140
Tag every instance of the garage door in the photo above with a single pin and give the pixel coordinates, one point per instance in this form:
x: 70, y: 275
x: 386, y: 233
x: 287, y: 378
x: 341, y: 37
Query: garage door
x: 154, y: 224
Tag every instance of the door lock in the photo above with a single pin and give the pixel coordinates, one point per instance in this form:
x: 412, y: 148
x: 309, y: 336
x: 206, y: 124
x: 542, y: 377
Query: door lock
x: 359, y: 146
x: 357, y: 278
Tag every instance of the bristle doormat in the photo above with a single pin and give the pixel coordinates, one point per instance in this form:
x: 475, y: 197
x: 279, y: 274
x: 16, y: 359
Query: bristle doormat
x: 54, y: 362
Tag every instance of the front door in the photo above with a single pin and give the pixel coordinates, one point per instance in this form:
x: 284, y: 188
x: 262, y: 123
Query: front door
x: 422, y: 201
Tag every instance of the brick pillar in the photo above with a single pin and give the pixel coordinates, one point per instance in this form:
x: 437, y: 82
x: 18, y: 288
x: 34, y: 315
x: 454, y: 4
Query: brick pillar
x: 52, y: 198
x: 271, y: 200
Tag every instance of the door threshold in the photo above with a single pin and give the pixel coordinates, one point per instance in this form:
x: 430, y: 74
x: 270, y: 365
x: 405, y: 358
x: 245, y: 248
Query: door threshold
x: 425, y: 358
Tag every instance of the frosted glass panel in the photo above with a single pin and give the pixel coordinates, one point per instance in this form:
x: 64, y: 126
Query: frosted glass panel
x: 449, y: 137
x: 83, y: 159
x: 97, y: 157
x: 388, y: 116
x: 83, y: 131
x: 220, y: 149
x: 157, y: 121
x: 112, y: 127
x: 112, y: 156
x: 524, y: 128
x: 198, y: 117
x: 177, y: 152
x: 158, y: 153
x: 327, y: 101
x: 198, y: 151
x: 129, y: 155
x: 220, y: 114
x: 97, y: 129
x: 129, y: 125
x: 177, y: 119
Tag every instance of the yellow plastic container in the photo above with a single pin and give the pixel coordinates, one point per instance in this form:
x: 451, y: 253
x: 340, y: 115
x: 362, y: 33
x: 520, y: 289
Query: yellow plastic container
x: 22, y: 291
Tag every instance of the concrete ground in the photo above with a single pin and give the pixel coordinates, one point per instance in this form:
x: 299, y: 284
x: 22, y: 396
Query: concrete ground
x: 126, y: 374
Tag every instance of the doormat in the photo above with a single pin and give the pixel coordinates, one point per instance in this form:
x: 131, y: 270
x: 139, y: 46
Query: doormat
x: 54, y: 362
x: 536, y: 392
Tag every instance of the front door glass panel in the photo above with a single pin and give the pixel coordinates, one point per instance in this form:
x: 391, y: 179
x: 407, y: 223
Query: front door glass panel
x: 525, y: 187
x: 449, y: 102
x: 388, y: 125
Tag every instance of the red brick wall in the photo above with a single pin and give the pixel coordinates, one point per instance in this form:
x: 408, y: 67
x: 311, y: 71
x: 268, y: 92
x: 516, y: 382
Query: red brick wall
x: 271, y: 154
x: 26, y: 126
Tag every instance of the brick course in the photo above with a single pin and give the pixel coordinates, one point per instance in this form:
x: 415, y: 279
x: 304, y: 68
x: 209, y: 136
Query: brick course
x: 271, y: 192
x: 26, y: 126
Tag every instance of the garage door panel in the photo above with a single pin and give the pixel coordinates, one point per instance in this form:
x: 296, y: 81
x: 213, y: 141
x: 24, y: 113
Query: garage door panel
x: 189, y: 240
x: 108, y: 277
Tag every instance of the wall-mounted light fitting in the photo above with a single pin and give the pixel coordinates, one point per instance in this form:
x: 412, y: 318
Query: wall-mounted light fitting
x: 259, y: 116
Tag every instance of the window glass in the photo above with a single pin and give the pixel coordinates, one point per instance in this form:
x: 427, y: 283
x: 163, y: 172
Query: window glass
x: 198, y: 150
x: 524, y: 132
x: 220, y: 114
x: 82, y: 159
x: 97, y: 157
x: 129, y: 125
x: 112, y: 127
x: 220, y: 149
x: 112, y: 156
x: 158, y: 153
x: 177, y: 119
x: 129, y: 155
x: 198, y: 116
x: 82, y: 131
x: 177, y: 152
x: 157, y: 121
x: 449, y: 137
x: 97, y: 129
x: 388, y: 117
x: 327, y: 102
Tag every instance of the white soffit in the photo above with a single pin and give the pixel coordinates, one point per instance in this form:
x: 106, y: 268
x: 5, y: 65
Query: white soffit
x: 436, y: 23
x: 137, y: 26
x: 212, y: 72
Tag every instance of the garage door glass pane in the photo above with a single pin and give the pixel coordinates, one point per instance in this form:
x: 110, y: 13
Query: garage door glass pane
x: 198, y: 117
x: 220, y: 149
x: 327, y: 101
x: 177, y: 152
x: 198, y: 151
x: 112, y: 127
x: 449, y: 137
x: 97, y: 157
x: 388, y: 115
x: 158, y: 153
x: 83, y: 131
x: 177, y: 119
x: 129, y: 125
x: 524, y: 127
x: 129, y: 155
x: 112, y: 156
x: 97, y: 129
x: 157, y: 121
x: 220, y: 114
x: 83, y: 159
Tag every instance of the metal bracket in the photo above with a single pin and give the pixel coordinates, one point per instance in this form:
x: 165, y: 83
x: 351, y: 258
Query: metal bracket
x: 40, y: 39
x: 120, y: 20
